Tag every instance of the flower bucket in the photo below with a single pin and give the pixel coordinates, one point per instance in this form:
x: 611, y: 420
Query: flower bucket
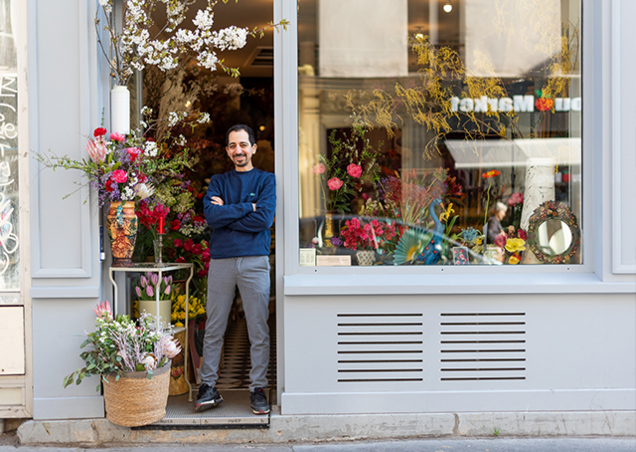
x: 122, y: 224
x: 178, y: 384
x: 365, y: 257
x: 150, y: 306
x: 133, y: 400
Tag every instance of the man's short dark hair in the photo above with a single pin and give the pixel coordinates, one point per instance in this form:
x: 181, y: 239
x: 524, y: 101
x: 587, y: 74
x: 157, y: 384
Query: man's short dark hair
x: 238, y: 128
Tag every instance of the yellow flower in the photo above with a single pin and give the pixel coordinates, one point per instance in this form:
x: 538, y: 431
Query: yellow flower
x: 446, y: 215
x: 514, y: 245
x: 201, y: 311
x: 479, y: 240
x: 514, y: 260
x: 178, y: 324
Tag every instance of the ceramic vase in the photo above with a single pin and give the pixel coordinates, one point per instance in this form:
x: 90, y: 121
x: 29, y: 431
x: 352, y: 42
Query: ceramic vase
x: 150, y: 306
x: 365, y: 257
x: 122, y: 224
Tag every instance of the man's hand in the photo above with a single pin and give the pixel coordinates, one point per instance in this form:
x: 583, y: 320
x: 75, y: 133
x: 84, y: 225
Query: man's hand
x: 254, y: 204
x: 217, y: 201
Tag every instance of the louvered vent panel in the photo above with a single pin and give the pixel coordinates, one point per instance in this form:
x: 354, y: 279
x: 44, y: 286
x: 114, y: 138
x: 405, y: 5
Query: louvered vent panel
x: 380, y: 347
x: 483, y: 346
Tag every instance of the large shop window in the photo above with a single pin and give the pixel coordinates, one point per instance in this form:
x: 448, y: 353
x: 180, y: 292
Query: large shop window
x: 437, y: 132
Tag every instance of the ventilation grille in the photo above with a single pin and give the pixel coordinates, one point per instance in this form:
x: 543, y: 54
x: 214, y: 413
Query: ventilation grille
x: 483, y: 346
x: 262, y: 57
x: 380, y: 347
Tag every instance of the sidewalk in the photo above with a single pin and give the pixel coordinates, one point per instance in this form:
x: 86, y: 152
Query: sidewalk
x: 412, y: 445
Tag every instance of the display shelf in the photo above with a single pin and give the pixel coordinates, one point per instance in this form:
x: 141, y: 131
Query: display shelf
x: 159, y: 268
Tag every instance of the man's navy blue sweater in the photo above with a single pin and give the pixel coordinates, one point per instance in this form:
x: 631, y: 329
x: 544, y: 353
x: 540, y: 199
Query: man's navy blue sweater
x: 238, y: 230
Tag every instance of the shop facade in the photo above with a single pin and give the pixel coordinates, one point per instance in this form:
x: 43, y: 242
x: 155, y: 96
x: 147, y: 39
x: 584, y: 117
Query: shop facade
x: 542, y: 336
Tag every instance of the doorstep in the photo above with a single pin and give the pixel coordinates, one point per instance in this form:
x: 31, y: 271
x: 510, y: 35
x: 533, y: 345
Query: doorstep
x: 234, y: 412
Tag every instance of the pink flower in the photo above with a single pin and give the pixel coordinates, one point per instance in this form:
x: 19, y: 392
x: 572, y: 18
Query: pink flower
x: 150, y: 291
x: 116, y: 136
x: 134, y: 153
x: 354, y: 170
x: 515, y: 198
x: 103, y: 308
x: 138, y: 290
x: 177, y: 243
x: 188, y: 245
x: 319, y: 168
x: 96, y: 150
x: 522, y: 234
x: 334, y: 183
x: 120, y: 176
x: 500, y: 240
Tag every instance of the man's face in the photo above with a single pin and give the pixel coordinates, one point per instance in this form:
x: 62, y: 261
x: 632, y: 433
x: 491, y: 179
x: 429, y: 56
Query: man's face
x: 240, y: 150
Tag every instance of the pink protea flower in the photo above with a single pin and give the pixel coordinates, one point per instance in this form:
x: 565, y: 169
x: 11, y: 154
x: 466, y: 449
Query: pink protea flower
x: 120, y: 176
x: 116, y: 136
x: 354, y: 170
x: 96, y: 150
x: 169, y: 347
x: 334, y: 183
x: 103, y: 308
x: 319, y: 168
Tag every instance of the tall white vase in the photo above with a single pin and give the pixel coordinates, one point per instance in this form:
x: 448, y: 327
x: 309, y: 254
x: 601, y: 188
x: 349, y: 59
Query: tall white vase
x: 120, y: 110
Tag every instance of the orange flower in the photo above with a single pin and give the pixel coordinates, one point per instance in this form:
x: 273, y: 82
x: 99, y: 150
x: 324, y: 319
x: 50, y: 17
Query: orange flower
x: 491, y: 173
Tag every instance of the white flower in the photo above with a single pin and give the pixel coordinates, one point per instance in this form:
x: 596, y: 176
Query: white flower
x: 204, y: 19
x: 203, y: 118
x: 144, y: 191
x: 149, y: 362
x: 173, y: 119
x: 181, y: 141
x: 107, y: 5
x: 150, y: 149
x: 127, y: 194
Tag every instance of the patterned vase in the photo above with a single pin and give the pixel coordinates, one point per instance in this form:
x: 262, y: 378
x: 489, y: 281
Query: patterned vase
x: 365, y: 257
x: 122, y: 224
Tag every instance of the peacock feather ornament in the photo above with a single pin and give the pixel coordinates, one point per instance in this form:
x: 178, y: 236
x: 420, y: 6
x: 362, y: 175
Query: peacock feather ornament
x: 421, y: 246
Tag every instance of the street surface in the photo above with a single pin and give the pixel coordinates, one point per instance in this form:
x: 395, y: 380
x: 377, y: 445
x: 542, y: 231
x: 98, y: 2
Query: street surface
x: 595, y: 444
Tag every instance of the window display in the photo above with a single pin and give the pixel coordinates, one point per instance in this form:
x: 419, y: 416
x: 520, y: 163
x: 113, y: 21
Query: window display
x: 429, y: 137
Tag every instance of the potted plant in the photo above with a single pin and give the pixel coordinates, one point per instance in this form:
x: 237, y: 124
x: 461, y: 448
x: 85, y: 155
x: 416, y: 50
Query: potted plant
x: 366, y: 236
x: 146, y: 288
x: 133, y: 362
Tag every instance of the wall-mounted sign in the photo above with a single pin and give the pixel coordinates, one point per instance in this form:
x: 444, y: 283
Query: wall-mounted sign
x: 518, y: 104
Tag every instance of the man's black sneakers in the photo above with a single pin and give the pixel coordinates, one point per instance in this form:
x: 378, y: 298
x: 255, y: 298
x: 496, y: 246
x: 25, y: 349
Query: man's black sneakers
x: 259, y: 401
x: 207, y: 398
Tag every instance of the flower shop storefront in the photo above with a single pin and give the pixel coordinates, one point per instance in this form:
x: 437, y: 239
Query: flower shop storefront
x: 453, y: 232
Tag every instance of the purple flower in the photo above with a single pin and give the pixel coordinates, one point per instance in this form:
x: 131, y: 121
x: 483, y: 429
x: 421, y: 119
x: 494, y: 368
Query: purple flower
x: 167, y: 291
x: 138, y: 290
x: 336, y: 241
x: 149, y: 291
x: 154, y: 279
x: 144, y: 281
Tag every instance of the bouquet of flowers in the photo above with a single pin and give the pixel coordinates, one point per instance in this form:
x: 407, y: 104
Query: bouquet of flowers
x: 120, y: 345
x: 513, y: 242
x: 196, y: 308
x: 346, y: 169
x: 121, y: 167
x: 147, y: 285
x: 360, y: 234
x: 515, y: 202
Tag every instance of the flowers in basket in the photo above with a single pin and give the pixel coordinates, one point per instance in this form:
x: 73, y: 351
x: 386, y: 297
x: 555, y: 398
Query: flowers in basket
x: 513, y: 242
x: 370, y: 234
x: 120, y: 345
x: 351, y: 163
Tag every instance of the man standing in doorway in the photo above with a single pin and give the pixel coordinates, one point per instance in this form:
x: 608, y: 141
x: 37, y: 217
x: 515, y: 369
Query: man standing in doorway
x: 239, y: 206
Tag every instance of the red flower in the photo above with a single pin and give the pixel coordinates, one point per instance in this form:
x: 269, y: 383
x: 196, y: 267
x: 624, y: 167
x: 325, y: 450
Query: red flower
x: 109, y: 185
x: 188, y: 245
x: 491, y: 173
x: 202, y: 273
x: 120, y: 176
x: 196, y: 249
x: 522, y: 234
x: 134, y: 153
x: 99, y: 132
x: 177, y: 243
x: 142, y: 178
x: 180, y: 260
x: 175, y: 225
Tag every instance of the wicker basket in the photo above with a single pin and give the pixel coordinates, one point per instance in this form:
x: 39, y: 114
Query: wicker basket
x: 133, y: 400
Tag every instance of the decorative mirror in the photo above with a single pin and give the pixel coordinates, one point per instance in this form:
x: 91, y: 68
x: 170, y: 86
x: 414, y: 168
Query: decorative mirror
x: 553, y: 233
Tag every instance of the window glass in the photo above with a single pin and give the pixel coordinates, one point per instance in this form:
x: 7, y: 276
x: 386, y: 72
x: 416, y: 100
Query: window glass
x: 437, y: 132
x: 9, y: 195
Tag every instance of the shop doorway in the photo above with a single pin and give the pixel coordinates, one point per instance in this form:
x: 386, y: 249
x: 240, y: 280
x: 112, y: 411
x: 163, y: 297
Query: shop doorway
x: 247, y: 99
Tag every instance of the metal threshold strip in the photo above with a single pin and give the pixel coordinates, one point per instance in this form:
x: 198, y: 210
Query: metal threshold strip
x: 234, y: 412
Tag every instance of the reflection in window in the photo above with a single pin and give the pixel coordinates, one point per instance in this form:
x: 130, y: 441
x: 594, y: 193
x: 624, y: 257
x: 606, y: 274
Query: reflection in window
x: 435, y: 138
x: 9, y: 224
